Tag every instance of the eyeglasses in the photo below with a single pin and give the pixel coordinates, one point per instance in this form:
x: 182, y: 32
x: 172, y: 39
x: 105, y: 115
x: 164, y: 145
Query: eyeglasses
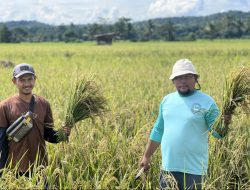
x: 184, y: 77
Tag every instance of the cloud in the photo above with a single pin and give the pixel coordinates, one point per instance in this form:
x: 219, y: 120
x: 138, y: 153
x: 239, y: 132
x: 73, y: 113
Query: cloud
x: 89, y: 11
x: 170, y: 8
x: 102, y: 15
x: 225, y: 5
x: 78, y: 13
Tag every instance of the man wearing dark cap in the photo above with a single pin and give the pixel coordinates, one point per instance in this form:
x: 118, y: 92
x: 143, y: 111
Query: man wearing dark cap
x: 24, y: 151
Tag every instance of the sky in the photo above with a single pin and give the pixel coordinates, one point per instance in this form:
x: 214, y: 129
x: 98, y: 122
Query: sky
x: 58, y: 12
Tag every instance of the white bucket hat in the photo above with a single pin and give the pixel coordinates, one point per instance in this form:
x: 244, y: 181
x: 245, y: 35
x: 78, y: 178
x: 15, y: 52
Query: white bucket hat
x: 182, y: 67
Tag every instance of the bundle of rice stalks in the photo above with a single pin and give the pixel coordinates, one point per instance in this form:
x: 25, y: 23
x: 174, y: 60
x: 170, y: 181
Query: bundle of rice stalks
x: 236, y: 94
x: 86, y: 101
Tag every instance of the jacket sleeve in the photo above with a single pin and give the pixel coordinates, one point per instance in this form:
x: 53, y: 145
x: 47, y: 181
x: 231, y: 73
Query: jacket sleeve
x: 49, y: 132
x: 50, y: 135
x: 3, y: 147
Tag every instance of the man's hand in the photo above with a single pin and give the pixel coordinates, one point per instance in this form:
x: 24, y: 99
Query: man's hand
x: 226, y: 119
x: 150, y: 149
x: 66, y: 130
x: 145, y: 163
x: 144, y: 166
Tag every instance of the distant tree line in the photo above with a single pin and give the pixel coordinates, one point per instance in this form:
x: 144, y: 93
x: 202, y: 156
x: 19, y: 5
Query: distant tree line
x: 232, y: 24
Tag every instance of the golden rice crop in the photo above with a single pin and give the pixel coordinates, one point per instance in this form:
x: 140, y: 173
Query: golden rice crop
x: 86, y: 101
x: 134, y: 77
x: 236, y: 94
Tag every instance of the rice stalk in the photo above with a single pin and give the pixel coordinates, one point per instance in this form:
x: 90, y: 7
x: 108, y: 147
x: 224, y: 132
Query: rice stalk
x: 236, y: 94
x: 86, y: 101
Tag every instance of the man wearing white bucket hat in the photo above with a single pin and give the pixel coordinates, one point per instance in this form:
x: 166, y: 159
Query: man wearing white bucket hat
x: 184, y: 120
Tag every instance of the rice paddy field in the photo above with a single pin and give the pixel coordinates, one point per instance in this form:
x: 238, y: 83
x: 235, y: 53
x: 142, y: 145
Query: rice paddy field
x: 105, y: 154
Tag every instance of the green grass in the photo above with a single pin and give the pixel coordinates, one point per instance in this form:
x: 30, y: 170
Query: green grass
x: 134, y: 78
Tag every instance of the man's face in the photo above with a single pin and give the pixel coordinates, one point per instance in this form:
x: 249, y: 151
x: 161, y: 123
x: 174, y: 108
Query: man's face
x: 25, y: 83
x: 185, y: 84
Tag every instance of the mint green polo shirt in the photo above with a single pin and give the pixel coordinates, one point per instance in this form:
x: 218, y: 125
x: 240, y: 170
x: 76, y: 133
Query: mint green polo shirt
x: 182, y: 128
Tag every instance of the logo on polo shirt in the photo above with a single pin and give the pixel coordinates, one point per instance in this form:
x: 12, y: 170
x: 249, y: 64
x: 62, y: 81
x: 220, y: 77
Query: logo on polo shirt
x: 196, y: 108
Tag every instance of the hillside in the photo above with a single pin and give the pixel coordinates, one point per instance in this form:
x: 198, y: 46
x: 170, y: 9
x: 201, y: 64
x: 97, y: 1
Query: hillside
x: 232, y: 24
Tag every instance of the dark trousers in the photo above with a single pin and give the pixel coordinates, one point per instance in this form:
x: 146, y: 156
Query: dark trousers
x: 181, y: 181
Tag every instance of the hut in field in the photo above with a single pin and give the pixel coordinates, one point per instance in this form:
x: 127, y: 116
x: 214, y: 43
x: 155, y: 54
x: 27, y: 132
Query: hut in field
x: 107, y: 38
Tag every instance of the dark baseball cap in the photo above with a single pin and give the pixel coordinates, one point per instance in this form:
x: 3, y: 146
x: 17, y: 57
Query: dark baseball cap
x: 22, y: 69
